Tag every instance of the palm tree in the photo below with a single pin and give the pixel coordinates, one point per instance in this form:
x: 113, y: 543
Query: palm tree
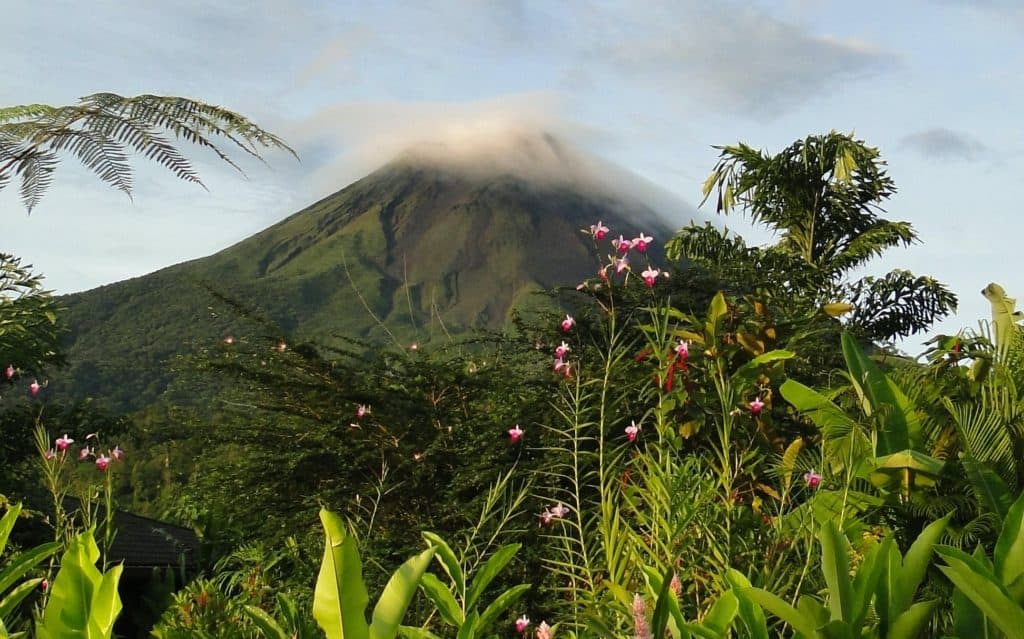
x: 103, y: 128
x: 822, y: 197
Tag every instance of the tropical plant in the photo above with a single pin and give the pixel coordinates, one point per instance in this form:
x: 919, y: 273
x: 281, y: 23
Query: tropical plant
x: 883, y: 582
x: 29, y: 331
x: 103, y: 128
x: 18, y: 565
x: 989, y: 598
x: 83, y: 602
x: 340, y: 597
x: 820, y: 196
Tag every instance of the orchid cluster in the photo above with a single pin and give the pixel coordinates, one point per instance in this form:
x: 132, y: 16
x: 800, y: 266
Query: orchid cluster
x: 543, y: 630
x: 33, y: 388
x: 101, y: 459
x: 558, y: 511
x: 619, y: 261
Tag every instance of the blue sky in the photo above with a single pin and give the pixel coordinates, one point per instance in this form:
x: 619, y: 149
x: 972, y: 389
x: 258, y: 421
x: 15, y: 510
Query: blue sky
x: 937, y: 86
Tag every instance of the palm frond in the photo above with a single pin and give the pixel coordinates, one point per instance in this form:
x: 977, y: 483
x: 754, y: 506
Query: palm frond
x: 104, y: 127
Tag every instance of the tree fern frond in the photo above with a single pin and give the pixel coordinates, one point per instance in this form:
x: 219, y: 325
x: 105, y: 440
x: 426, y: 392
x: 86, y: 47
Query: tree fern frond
x: 36, y: 171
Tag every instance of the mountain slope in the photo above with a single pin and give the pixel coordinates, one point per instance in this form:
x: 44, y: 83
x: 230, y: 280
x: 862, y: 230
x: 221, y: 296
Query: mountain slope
x: 425, y: 248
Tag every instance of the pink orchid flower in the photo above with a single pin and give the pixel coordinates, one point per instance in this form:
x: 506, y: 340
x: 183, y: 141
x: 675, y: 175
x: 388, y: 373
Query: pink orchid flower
x: 62, y: 443
x: 650, y: 275
x: 117, y: 453
x: 598, y: 230
x: 102, y: 462
x: 640, y: 243
x: 362, y: 411
x: 50, y: 454
x: 522, y: 623
x: 545, y: 517
x: 559, y: 364
x: 34, y: 387
x: 515, y: 433
x: 682, y: 350
x: 10, y: 371
x: 543, y: 630
x: 562, y: 349
x: 85, y: 452
x: 559, y: 510
x: 568, y: 323
x: 812, y: 479
x: 621, y: 264
x: 621, y: 244
x: 756, y: 406
x: 632, y: 431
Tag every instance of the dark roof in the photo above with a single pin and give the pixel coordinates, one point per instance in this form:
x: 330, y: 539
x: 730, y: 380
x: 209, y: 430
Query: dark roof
x: 142, y: 542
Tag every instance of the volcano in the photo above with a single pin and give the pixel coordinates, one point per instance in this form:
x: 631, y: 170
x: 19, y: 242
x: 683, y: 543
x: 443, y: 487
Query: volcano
x: 433, y: 243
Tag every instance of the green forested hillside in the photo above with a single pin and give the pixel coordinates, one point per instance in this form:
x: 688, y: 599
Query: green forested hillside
x: 410, y: 253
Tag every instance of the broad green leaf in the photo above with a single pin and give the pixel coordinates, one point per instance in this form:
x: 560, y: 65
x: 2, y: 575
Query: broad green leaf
x: 990, y: 489
x: 900, y: 427
x: 716, y: 312
x: 442, y: 599
x: 774, y: 604
x: 7, y: 524
x: 488, y: 571
x: 267, y: 624
x: 469, y: 628
x: 398, y: 593
x: 340, y: 597
x: 835, y: 565
x: 911, y: 623
x: 500, y: 604
x: 661, y: 585
x: 983, y: 591
x: 16, y: 595
x: 409, y: 632
x: 24, y: 562
x: 106, y: 603
x: 915, y: 564
x: 1008, y: 556
x: 448, y: 560
x: 749, y: 371
x: 865, y: 583
x: 750, y: 614
x: 831, y: 419
x: 722, y: 613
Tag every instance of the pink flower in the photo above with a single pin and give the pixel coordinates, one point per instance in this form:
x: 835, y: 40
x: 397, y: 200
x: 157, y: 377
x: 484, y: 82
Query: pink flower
x: 102, y: 462
x: 621, y: 264
x: 641, y: 629
x: 598, y: 230
x: 62, y: 443
x: 621, y: 244
x: 362, y: 411
x: 10, y: 371
x: 559, y: 364
x: 522, y: 623
x: 568, y: 323
x: 515, y: 433
x: 682, y: 350
x: 562, y: 350
x: 85, y: 452
x: 559, y: 510
x: 34, y: 387
x: 545, y: 517
x: 640, y: 243
x: 117, y: 453
x: 632, y: 431
x: 43, y: 585
x: 756, y: 406
x: 649, y: 276
x: 813, y: 479
x: 50, y: 454
x: 543, y: 630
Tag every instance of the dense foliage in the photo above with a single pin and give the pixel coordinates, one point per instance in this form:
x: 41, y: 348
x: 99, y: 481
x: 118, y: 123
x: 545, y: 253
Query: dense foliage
x: 716, y: 446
